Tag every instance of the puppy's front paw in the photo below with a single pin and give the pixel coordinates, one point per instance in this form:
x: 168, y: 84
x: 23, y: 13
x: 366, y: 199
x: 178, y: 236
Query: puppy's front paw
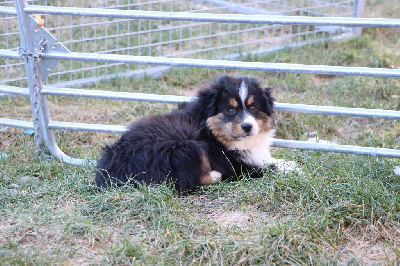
x: 216, y: 176
x: 211, y: 177
x: 287, y: 166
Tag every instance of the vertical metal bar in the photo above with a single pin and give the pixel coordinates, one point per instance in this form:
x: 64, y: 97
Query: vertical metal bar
x: 170, y: 33
x: 129, y: 37
x: 40, y: 103
x: 26, y: 44
x: 160, y: 38
x: 180, y: 31
x: 82, y: 43
x: 94, y: 71
x: 58, y: 38
x: 71, y: 48
x: 117, y: 37
x: 358, y: 12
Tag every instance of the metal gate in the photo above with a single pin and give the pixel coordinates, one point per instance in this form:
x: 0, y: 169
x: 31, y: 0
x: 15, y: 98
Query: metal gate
x: 40, y: 52
x: 167, y: 38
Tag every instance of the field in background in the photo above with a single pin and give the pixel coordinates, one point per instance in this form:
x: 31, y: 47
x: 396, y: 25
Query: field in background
x: 341, y: 209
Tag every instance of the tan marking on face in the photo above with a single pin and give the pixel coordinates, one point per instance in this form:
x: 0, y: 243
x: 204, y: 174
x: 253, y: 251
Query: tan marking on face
x: 225, y: 132
x: 233, y: 102
x: 250, y: 101
x: 219, y: 129
x: 236, y: 126
x: 264, y: 123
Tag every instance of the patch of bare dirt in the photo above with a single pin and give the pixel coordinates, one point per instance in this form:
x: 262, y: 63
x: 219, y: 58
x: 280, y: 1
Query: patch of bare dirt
x: 373, y: 245
x: 320, y: 80
x: 48, y: 238
x: 218, y: 211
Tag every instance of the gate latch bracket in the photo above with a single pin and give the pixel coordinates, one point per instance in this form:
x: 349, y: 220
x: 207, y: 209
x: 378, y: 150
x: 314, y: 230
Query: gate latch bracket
x: 46, y: 65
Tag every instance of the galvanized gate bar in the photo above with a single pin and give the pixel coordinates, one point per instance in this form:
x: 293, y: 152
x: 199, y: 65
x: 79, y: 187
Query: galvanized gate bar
x: 115, y: 95
x: 10, y: 54
x: 14, y: 90
x: 87, y: 127
x: 221, y: 18
x: 369, y: 151
x: 303, y: 145
x: 130, y: 96
x: 284, y: 107
x: 16, y: 123
x: 4, y: 10
x: 224, y: 64
x: 340, y: 111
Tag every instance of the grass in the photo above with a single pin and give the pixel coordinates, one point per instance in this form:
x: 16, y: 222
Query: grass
x: 51, y: 213
x: 342, y: 209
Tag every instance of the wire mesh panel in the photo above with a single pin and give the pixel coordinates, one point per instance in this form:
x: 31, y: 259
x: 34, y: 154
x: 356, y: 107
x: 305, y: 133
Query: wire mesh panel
x: 165, y: 38
x: 11, y: 71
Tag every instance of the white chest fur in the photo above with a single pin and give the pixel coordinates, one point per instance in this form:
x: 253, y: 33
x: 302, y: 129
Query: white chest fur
x: 255, y: 150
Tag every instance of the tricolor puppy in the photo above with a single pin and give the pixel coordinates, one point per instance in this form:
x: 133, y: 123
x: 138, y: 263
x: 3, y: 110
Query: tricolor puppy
x: 224, y: 133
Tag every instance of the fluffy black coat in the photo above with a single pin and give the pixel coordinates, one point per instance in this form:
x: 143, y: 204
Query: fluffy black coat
x: 179, y: 148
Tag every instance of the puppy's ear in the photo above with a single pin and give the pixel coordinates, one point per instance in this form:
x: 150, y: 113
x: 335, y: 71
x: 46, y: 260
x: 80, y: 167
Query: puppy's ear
x: 207, y: 101
x: 207, y: 98
x: 269, y: 101
x: 267, y: 95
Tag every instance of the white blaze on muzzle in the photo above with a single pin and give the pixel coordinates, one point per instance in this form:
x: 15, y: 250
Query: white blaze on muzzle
x: 243, y: 92
x: 247, y: 118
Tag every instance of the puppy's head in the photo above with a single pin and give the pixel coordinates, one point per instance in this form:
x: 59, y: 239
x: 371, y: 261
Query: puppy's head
x: 238, y: 110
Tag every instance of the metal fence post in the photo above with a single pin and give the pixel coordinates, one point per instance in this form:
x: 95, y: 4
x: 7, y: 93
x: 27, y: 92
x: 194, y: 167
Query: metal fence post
x: 26, y: 46
x: 39, y: 105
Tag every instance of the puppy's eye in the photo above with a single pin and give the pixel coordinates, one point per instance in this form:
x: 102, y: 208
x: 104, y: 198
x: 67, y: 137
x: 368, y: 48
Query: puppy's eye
x: 253, y: 108
x: 230, y: 110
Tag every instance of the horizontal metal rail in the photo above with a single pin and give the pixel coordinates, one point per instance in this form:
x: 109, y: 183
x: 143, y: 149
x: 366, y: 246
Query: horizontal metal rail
x: 303, y: 145
x: 284, y: 107
x: 14, y: 90
x: 60, y: 154
x: 221, y: 18
x: 16, y: 123
x: 223, y: 64
x: 114, y: 95
x: 339, y: 111
x: 87, y: 127
x: 10, y: 54
x: 4, y: 10
x: 219, y: 64
x: 130, y: 96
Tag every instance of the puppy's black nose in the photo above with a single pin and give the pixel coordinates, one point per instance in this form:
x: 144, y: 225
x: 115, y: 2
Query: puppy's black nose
x: 247, y: 127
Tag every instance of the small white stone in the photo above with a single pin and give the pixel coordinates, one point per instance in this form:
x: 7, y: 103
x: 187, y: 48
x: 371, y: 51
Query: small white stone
x: 396, y: 170
x: 287, y: 166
